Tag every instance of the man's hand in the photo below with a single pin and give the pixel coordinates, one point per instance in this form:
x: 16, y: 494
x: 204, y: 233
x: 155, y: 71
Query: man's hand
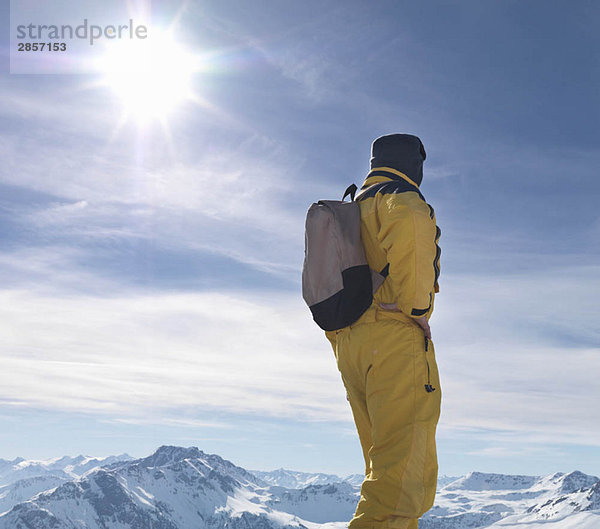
x: 422, y: 321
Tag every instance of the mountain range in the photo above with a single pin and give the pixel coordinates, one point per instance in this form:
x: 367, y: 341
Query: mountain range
x: 293, y: 479
x: 185, y: 488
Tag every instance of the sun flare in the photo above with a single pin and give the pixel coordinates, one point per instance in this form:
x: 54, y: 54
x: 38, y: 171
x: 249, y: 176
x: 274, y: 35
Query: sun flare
x: 151, y: 77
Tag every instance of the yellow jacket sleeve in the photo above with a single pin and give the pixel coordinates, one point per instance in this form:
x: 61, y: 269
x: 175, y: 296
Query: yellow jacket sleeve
x: 408, y: 234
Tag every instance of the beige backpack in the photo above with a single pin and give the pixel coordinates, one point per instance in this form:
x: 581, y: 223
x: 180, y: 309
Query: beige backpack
x: 337, y: 283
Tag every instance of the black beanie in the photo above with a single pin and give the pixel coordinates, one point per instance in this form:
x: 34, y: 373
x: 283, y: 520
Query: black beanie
x: 403, y: 152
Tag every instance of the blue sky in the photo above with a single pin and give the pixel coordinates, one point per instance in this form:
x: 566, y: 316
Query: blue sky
x: 150, y: 277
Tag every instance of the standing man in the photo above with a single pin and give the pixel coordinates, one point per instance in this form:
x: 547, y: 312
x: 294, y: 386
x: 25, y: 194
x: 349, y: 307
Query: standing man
x: 386, y: 358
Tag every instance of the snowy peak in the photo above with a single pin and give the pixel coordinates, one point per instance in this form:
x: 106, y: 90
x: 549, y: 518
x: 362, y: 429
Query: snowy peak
x: 101, y: 494
x: 6, y: 463
x: 21, y: 479
x: 294, y: 479
x: 572, y: 493
x: 446, y: 480
x: 177, y: 458
x: 524, y: 502
x: 174, y: 488
x: 166, y: 455
x: 66, y: 467
x: 574, y: 481
x: 23, y: 489
x: 480, y: 481
x: 355, y: 479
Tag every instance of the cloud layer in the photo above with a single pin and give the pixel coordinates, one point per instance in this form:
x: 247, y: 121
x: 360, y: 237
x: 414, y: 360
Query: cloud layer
x: 128, y: 353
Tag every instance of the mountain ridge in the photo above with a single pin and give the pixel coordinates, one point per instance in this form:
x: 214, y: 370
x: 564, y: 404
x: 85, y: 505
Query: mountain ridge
x: 184, y: 487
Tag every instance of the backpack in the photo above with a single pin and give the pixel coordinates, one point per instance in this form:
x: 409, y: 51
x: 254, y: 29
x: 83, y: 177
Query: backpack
x: 337, y: 283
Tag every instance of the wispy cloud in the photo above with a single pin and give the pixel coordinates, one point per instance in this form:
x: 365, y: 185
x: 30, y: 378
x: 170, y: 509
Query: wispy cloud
x: 51, y: 269
x: 127, y: 354
x: 305, y: 52
x: 228, y: 198
x: 170, y: 421
x: 518, y: 353
x: 517, y: 449
x: 134, y: 353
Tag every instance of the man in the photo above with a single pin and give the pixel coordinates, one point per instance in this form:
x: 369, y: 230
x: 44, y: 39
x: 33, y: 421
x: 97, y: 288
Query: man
x: 386, y: 358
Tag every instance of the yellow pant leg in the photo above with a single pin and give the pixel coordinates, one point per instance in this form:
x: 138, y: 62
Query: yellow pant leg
x: 355, y: 390
x: 384, y: 367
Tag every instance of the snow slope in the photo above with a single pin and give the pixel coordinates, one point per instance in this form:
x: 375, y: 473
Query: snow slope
x: 317, y: 503
x: 527, y: 502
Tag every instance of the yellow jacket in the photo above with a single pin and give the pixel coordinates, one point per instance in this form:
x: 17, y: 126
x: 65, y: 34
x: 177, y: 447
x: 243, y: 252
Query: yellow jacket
x: 400, y: 237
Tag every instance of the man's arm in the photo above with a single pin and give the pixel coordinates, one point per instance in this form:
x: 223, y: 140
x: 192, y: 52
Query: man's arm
x: 409, y: 235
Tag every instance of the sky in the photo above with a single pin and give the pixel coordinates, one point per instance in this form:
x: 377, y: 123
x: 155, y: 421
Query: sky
x: 150, y: 269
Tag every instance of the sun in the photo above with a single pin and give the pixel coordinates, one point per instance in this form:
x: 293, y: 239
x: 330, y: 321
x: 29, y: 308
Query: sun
x: 151, y: 77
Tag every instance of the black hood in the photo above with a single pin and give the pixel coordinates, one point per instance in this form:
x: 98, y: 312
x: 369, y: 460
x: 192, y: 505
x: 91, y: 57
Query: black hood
x: 403, y: 152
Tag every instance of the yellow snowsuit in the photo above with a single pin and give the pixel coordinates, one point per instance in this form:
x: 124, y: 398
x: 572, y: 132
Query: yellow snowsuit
x: 387, y: 365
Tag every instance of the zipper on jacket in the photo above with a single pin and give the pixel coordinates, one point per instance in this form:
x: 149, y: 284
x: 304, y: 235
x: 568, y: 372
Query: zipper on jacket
x: 428, y: 387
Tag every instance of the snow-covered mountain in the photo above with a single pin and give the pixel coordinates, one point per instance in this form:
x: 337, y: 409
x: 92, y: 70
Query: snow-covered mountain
x: 23, y: 489
x: 65, y: 467
x: 559, y: 501
x: 21, y: 479
x: 293, y: 479
x: 355, y: 479
x: 185, y: 488
x: 445, y: 480
x: 178, y: 488
x: 316, y: 503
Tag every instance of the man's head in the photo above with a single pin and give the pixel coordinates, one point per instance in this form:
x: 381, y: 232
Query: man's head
x: 403, y: 152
